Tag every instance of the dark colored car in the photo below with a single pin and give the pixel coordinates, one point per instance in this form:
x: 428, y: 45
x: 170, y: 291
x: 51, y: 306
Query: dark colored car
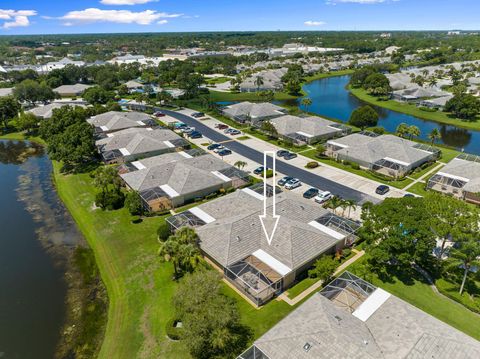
x: 213, y: 146
x: 198, y: 114
x: 281, y: 153
x: 159, y: 114
x: 382, y: 189
x: 310, y: 193
x: 221, y: 126
x: 408, y: 195
x: 290, y: 156
x: 195, y: 134
x: 282, y: 181
x: 225, y: 152
x: 259, y: 170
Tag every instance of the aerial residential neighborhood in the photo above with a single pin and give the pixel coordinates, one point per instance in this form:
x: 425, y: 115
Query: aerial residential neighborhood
x: 239, y: 180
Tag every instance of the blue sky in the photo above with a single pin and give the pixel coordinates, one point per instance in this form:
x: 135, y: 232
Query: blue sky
x: 82, y: 16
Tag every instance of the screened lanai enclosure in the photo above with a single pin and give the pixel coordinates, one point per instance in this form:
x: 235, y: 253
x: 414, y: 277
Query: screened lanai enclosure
x: 254, y: 278
x: 446, y: 183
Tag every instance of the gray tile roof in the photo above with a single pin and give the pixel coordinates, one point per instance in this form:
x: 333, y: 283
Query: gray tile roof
x: 46, y: 111
x: 254, y: 110
x: 138, y: 140
x: 313, y: 126
x: 6, y: 91
x: 466, y: 169
x: 187, y: 175
x: 115, y: 120
x: 72, y: 89
x: 237, y: 231
x: 395, y: 330
x: 371, y: 149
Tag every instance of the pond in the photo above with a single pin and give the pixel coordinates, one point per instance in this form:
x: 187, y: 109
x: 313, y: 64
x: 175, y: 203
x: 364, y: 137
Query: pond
x: 35, y: 227
x: 331, y: 99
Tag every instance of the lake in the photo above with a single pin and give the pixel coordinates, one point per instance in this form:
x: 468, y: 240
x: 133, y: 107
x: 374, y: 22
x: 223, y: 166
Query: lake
x: 331, y: 99
x: 35, y: 227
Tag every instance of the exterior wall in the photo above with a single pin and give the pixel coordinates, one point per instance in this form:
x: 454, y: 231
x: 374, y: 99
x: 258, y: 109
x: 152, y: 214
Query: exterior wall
x: 472, y: 197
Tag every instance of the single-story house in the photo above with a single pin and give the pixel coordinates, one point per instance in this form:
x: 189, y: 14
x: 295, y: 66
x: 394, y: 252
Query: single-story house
x: 172, y: 180
x: 133, y: 143
x: 133, y: 85
x: 308, y: 130
x: 416, y: 93
x: 250, y: 112
x: 233, y: 239
x: 115, y: 120
x: 438, y: 103
x: 351, y: 318
x: 271, y: 80
x: 399, y: 81
x: 460, y: 178
x: 46, y: 111
x: 71, y: 90
x: 7, y: 91
x: 387, y: 154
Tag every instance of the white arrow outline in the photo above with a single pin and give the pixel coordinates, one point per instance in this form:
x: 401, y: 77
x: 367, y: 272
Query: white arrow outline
x: 274, y: 214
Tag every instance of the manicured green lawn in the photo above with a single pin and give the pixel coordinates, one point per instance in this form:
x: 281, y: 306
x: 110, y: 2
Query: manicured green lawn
x: 470, y: 300
x: 140, y: 288
x: 448, y: 154
x: 217, y: 96
x: 328, y: 74
x: 410, y: 109
x: 418, y: 188
x: 301, y: 286
x: 418, y: 174
x: 423, y: 297
x: 21, y: 136
x: 217, y: 80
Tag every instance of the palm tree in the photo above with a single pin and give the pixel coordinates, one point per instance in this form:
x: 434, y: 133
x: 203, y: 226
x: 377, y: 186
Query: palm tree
x: 182, y: 250
x: 334, y: 203
x: 465, y: 256
x: 434, y: 135
x: 413, y: 131
x: 343, y: 205
x: 307, y: 102
x: 240, y: 164
x: 402, y: 130
x: 351, y: 204
x: 258, y: 82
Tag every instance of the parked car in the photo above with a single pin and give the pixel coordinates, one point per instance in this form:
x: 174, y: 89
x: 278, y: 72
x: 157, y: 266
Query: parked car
x: 382, y: 189
x: 225, y: 152
x: 408, y: 195
x: 195, y: 134
x: 281, y: 153
x: 159, y: 114
x: 179, y: 125
x: 198, y: 114
x: 323, y: 197
x: 213, y: 146
x: 221, y: 126
x: 229, y: 130
x: 310, y: 193
x: 259, y: 170
x: 284, y: 180
x: 290, y: 156
x: 188, y: 129
x: 219, y: 148
x: 234, y: 132
x: 293, y: 183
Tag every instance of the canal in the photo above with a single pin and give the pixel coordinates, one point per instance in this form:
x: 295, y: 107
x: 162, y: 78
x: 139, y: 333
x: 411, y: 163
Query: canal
x: 34, y: 230
x: 331, y: 98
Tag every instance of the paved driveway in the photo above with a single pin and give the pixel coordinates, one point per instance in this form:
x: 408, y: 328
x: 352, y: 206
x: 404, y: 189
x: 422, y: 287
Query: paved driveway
x: 305, y: 176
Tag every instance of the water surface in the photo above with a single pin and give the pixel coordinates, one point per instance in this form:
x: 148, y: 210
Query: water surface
x: 33, y: 225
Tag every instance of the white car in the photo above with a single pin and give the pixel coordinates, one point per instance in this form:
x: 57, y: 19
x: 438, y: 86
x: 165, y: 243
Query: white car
x: 323, y: 197
x: 293, y: 183
x: 218, y: 149
x: 188, y: 129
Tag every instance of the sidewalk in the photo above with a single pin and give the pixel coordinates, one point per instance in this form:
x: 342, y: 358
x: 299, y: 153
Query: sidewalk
x: 318, y: 284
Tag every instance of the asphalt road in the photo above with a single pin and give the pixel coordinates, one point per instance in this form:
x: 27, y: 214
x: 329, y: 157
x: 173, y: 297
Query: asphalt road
x: 306, y: 177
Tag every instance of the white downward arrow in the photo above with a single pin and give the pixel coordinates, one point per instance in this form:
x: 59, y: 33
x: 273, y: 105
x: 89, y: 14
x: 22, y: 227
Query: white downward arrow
x: 273, y: 217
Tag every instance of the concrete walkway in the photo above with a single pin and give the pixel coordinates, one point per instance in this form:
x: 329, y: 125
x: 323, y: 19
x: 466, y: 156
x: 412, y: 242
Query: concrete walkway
x: 314, y: 287
x: 420, y: 179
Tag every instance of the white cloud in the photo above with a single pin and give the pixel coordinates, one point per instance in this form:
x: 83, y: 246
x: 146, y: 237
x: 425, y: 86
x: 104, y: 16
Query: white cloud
x: 16, y: 18
x: 314, y: 23
x: 92, y: 15
x: 126, y: 2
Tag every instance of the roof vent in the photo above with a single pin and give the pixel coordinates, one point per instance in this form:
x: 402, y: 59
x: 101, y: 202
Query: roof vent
x: 238, y: 239
x: 365, y: 342
x: 307, y: 346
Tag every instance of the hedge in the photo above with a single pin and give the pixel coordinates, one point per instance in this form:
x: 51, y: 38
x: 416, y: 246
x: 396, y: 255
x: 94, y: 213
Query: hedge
x: 172, y: 331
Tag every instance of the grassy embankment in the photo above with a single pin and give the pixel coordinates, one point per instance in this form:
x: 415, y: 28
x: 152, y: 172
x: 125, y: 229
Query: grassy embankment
x: 139, y: 287
x: 413, y: 110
